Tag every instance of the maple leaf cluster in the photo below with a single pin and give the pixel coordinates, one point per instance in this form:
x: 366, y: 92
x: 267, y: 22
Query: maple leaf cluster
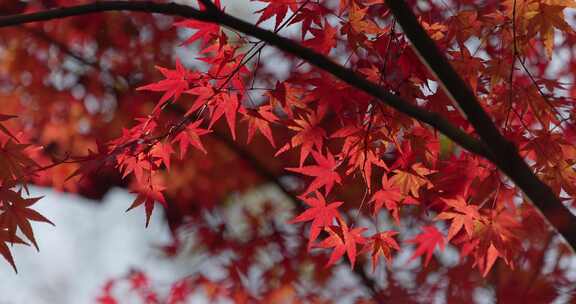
x: 231, y: 114
x: 367, y: 131
x: 16, y: 213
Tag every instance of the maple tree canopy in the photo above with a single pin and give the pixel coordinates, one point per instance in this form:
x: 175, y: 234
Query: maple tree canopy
x: 366, y: 128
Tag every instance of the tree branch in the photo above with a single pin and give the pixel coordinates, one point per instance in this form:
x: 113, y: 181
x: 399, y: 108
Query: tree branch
x: 61, y: 46
x: 506, y: 156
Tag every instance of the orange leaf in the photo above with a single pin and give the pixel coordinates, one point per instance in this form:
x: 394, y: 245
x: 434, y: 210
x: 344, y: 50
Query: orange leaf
x: 381, y: 244
x: 465, y: 216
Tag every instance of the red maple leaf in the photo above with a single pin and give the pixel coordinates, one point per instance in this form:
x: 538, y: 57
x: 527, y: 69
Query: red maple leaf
x: 227, y: 105
x: 362, y: 151
x: 174, y: 85
x: 139, y: 165
x: 16, y: 213
x: 6, y: 237
x: 190, y: 136
x: 260, y: 120
x: 309, y: 135
x: 203, y: 95
x: 161, y: 154
x: 277, y: 8
x: 287, y: 97
x: 309, y: 16
x: 148, y: 196
x: 324, y: 39
x: 343, y: 240
x: 390, y: 196
x: 321, y: 214
x: 14, y: 160
x: 498, y: 237
x: 427, y: 242
x: 381, y: 244
x: 324, y: 173
x: 205, y: 31
x: 410, y: 181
